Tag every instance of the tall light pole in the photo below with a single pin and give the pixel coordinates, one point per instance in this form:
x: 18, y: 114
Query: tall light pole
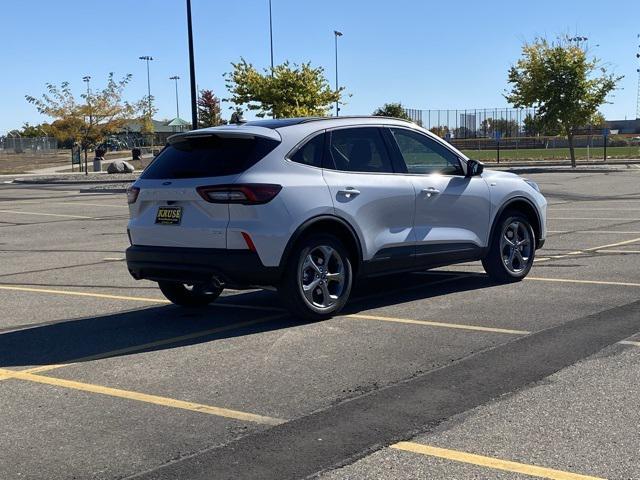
x: 638, y: 97
x: 87, y: 80
x: 176, y: 78
x: 148, y: 59
x: 192, y: 70
x: 271, y: 35
x: 337, y: 34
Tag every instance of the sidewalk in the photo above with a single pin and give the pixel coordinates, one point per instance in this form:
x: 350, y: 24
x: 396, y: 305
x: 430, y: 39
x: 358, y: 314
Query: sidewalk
x: 68, y: 169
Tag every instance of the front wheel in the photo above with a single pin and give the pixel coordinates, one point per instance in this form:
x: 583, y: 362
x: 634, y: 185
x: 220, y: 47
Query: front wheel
x: 512, y: 248
x: 317, y: 279
x: 190, y: 295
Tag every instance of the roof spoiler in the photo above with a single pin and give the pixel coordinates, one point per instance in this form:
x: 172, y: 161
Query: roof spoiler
x: 228, y: 131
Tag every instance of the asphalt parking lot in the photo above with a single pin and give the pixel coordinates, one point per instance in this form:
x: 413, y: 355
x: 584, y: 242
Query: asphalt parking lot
x: 438, y: 374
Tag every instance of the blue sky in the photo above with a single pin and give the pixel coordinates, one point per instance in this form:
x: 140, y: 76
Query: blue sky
x: 422, y: 53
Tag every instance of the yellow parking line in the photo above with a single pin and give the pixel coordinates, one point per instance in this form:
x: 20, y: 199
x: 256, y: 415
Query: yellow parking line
x: 616, y: 232
x: 82, y: 204
x: 459, y: 326
x: 43, y: 214
x: 150, y: 345
x: 83, y: 294
x: 587, y: 250
x: 596, y: 218
x: 490, y: 462
x: 629, y: 342
x: 143, y: 397
x: 124, y: 297
x: 590, y: 282
x: 618, y: 251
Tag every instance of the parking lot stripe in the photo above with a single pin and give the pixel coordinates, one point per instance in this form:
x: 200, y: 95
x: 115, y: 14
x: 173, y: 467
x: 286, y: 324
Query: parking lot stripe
x: 84, y: 294
x: 143, y: 397
x: 618, y: 251
x: 587, y: 250
x: 458, y: 326
x: 596, y: 218
x: 590, y: 282
x: 605, y: 232
x: 123, y: 297
x: 490, y: 462
x: 45, y: 214
x: 157, y: 343
x: 629, y: 342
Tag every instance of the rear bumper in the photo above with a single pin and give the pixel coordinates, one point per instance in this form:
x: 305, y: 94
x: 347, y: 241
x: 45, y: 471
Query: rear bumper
x: 239, y: 268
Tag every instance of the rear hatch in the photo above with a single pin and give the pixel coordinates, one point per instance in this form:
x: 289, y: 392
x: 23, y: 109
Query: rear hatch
x: 169, y: 211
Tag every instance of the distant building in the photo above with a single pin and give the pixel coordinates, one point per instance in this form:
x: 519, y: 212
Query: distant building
x: 468, y: 121
x: 162, y: 129
x: 623, y: 127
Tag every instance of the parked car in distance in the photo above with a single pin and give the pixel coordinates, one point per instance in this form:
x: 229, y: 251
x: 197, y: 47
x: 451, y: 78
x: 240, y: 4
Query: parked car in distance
x: 311, y: 205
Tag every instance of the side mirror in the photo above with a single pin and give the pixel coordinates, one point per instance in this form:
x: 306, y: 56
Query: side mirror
x: 474, y: 168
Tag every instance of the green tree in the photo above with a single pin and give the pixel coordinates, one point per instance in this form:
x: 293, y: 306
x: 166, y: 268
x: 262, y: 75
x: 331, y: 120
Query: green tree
x: 440, y: 130
x: 506, y: 128
x: 209, y: 112
x: 562, y: 82
x: 33, y: 131
x: 290, y: 91
x: 92, y: 119
x: 395, y: 110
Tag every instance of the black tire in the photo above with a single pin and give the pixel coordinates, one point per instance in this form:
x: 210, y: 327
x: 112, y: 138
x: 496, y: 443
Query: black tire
x: 296, y: 277
x: 197, y: 295
x: 496, y: 263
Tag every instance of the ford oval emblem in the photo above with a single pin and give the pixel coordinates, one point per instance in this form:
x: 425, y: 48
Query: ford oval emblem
x: 166, y: 183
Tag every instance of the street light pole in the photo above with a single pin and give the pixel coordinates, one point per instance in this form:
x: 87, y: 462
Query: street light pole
x: 192, y: 70
x: 271, y: 35
x: 148, y: 59
x: 87, y: 79
x: 176, y: 78
x: 337, y: 34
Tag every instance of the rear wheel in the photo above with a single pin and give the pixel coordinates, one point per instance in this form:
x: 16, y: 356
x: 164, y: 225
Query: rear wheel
x: 190, y: 295
x: 317, y: 279
x: 512, y: 248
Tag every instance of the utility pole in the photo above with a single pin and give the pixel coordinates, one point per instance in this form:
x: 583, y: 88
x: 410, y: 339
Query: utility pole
x: 192, y: 70
x: 337, y: 34
x: 148, y: 59
x: 271, y: 35
x: 176, y: 78
x: 638, y: 70
x: 87, y: 80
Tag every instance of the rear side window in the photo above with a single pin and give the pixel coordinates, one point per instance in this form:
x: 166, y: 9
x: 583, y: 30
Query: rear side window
x: 311, y: 152
x: 209, y: 156
x: 360, y: 150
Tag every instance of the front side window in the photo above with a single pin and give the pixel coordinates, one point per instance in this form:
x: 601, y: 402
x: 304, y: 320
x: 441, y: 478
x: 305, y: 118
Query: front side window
x: 360, y: 150
x: 311, y: 152
x: 424, y: 155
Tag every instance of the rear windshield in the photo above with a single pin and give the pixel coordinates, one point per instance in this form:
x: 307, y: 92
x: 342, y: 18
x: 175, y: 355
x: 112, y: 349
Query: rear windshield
x: 209, y: 156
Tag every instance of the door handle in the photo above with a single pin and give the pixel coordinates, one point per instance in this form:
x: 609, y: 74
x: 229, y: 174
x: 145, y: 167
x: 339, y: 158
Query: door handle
x: 430, y: 191
x: 349, y: 192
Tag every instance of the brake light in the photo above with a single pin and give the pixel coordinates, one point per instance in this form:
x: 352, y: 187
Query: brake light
x: 132, y: 194
x: 245, y: 194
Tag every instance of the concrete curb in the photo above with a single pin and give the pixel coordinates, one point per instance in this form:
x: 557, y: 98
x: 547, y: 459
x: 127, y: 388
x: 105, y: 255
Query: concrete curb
x: 69, y: 182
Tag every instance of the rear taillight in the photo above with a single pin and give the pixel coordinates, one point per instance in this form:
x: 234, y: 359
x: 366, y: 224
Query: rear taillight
x: 132, y: 194
x: 245, y: 194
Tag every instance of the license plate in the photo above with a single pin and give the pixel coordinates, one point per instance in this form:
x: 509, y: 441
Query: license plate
x: 169, y: 215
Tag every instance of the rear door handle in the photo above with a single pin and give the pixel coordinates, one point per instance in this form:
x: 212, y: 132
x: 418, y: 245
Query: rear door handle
x: 349, y: 192
x: 430, y: 191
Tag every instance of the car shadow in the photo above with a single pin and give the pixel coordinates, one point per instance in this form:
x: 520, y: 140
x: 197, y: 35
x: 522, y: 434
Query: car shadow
x: 161, y: 327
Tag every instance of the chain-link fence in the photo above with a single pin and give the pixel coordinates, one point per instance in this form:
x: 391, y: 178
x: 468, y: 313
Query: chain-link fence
x: 478, y: 122
x: 19, y: 145
x: 586, y: 147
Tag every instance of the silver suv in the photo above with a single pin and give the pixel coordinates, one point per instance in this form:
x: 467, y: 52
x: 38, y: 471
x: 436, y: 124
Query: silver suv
x: 310, y: 205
